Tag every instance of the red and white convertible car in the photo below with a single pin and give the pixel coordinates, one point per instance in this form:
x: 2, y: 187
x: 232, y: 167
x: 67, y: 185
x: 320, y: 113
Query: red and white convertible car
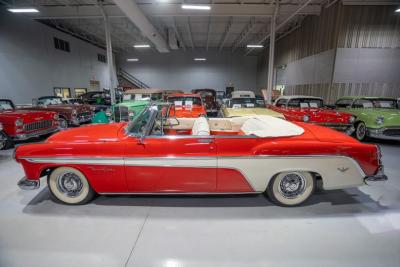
x: 156, y: 154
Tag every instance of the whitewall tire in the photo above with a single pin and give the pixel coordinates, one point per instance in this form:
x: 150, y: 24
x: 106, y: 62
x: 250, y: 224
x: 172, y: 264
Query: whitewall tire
x: 291, y: 188
x: 361, y: 131
x: 70, y: 186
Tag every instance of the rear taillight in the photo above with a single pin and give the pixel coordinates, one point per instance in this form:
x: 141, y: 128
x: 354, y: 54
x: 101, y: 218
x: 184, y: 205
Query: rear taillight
x: 378, y: 154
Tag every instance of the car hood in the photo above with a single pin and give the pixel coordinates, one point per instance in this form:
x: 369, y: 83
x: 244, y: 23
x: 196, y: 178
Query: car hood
x: 90, y: 133
x: 26, y: 115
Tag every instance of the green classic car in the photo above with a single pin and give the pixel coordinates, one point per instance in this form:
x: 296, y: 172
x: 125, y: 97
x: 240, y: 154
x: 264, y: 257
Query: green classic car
x: 376, y: 117
x: 125, y: 111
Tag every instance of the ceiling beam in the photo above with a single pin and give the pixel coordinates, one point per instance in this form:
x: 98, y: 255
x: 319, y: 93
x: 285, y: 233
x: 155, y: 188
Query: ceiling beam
x: 136, y: 15
x: 226, y: 33
x: 189, y: 28
x: 165, y: 10
x: 243, y: 35
x: 282, y: 24
x: 370, y: 3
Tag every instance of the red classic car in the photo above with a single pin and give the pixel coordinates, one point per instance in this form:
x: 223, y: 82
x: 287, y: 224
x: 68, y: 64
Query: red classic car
x: 187, y: 105
x: 209, y: 97
x: 70, y: 114
x: 212, y: 156
x: 311, y: 109
x: 24, y: 124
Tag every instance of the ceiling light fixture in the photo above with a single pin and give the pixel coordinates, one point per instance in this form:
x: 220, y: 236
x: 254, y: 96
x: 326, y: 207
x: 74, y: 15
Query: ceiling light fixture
x: 141, y: 46
x: 200, y: 59
x: 196, y: 7
x: 254, y: 46
x: 397, y: 10
x: 132, y: 59
x: 23, y: 10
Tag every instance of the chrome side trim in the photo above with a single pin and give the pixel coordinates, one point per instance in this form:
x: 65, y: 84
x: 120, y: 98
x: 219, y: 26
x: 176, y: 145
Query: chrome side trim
x: 182, y: 193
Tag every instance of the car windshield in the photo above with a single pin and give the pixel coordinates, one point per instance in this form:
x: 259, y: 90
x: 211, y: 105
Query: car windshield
x: 154, y: 96
x: 180, y: 101
x: 50, y: 101
x: 242, y: 103
x: 306, y: 103
x: 150, y: 120
x: 384, y: 103
x: 205, y: 94
x: 6, y: 105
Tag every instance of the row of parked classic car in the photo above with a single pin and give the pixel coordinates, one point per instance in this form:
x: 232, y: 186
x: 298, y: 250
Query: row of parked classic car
x: 364, y: 117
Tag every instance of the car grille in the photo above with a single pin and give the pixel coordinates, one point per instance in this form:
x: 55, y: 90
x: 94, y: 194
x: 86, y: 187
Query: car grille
x: 38, y: 125
x: 392, y: 132
x: 84, y: 114
x: 121, y: 114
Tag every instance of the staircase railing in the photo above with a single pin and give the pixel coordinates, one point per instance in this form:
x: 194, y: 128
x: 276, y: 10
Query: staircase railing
x: 132, y: 79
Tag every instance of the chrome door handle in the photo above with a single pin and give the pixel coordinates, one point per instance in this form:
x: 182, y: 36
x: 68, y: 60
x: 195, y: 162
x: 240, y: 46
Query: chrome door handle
x: 205, y: 141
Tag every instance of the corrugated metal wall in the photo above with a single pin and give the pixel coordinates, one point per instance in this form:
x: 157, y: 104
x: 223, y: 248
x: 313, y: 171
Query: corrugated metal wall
x: 343, y: 27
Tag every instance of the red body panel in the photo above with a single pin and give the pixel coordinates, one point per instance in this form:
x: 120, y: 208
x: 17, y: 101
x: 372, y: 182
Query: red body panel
x: 111, y: 142
x: 317, y: 115
x: 193, y: 111
x: 9, y: 117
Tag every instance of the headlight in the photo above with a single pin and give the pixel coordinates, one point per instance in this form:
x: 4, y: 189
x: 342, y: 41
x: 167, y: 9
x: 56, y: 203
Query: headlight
x: 380, y: 120
x: 131, y: 113
x: 74, y: 112
x: 19, y: 122
x: 352, y: 119
x: 56, y: 116
x: 108, y: 112
x: 306, y: 118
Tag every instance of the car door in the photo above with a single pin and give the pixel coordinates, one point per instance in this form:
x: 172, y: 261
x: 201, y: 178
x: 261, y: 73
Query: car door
x: 171, y: 164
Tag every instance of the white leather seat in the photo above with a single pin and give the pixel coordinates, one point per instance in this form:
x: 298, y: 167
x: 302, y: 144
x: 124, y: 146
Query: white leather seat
x: 201, y: 127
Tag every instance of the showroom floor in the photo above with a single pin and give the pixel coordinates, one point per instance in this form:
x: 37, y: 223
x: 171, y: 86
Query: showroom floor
x: 356, y: 227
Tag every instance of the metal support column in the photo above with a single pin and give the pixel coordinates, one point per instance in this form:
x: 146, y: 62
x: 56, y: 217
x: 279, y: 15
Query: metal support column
x: 110, y: 61
x: 270, y: 81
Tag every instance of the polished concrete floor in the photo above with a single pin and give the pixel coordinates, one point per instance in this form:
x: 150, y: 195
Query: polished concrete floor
x: 356, y: 227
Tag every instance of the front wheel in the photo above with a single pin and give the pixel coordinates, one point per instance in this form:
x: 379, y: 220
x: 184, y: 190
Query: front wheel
x: 63, y: 123
x: 361, y: 131
x: 290, y: 189
x: 70, y: 186
x: 5, y: 141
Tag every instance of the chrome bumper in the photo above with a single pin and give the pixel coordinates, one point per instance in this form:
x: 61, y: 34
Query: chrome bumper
x: 26, y: 184
x: 380, y: 134
x: 378, y: 178
x: 21, y: 137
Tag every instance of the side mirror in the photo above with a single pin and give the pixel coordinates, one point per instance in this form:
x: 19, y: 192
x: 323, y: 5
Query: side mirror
x: 140, y: 139
x: 35, y: 102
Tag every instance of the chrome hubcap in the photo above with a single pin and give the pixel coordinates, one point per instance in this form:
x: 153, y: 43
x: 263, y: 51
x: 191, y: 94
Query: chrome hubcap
x: 63, y: 124
x: 69, y: 184
x: 361, y: 131
x: 3, y: 140
x: 292, y: 185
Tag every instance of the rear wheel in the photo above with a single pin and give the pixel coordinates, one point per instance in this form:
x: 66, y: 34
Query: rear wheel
x: 70, y: 186
x: 5, y: 141
x: 361, y: 131
x: 291, y: 188
x: 63, y: 123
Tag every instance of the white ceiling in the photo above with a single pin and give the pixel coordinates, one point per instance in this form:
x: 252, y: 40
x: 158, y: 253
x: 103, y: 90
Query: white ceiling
x: 229, y: 26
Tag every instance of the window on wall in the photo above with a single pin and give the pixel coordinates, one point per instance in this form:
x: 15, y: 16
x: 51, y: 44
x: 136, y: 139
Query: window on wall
x: 61, y: 45
x: 63, y: 92
x: 80, y: 91
x: 102, y: 58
